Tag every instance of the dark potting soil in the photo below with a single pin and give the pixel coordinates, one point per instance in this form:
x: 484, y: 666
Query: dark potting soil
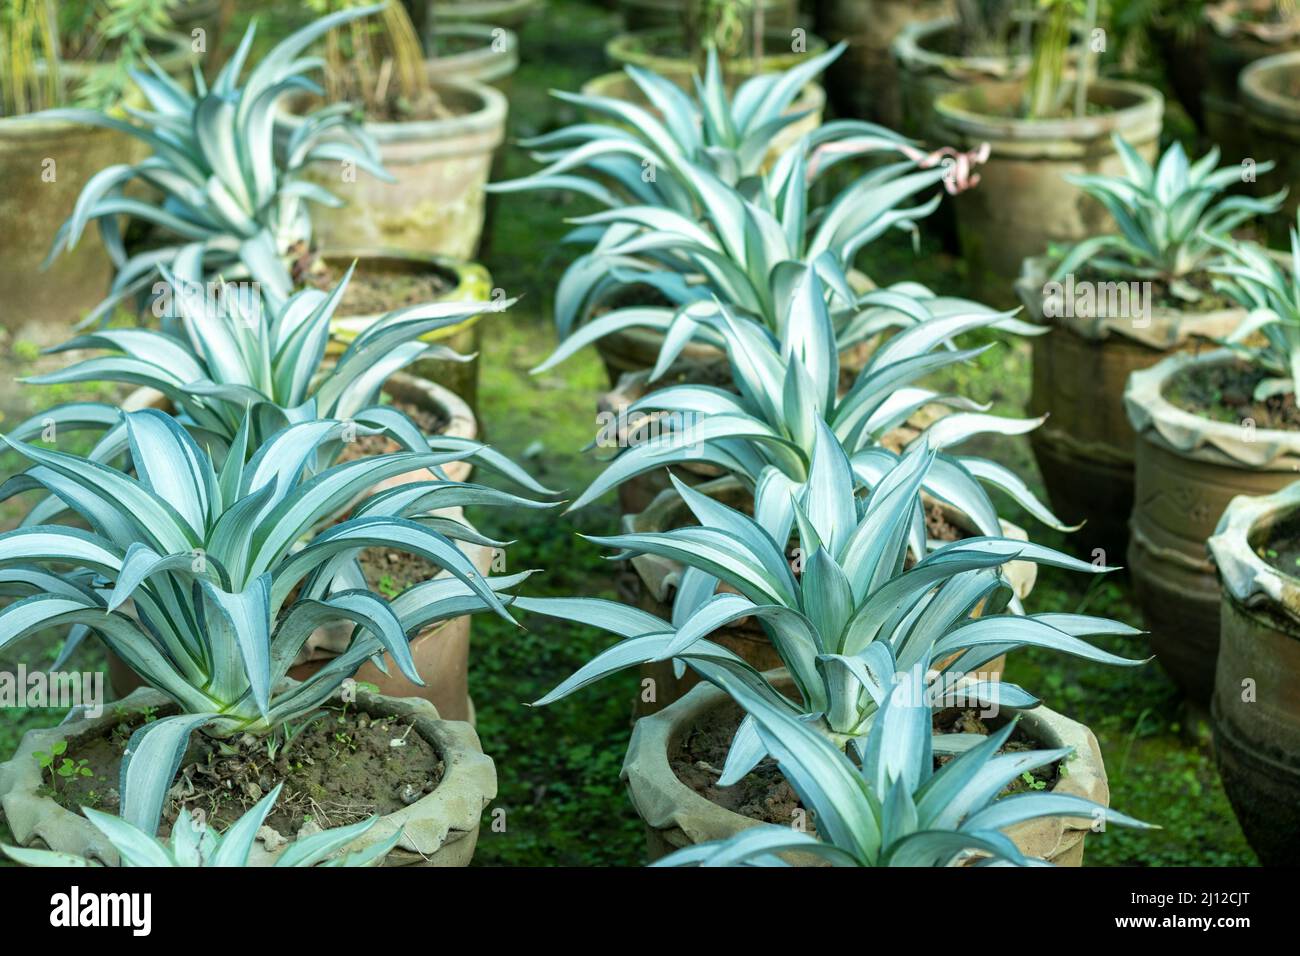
x: 340, y: 769
x: 370, y: 291
x: 429, y: 421
x: 392, y: 572
x: 1224, y: 392
x: 1211, y: 300
x: 764, y: 794
x: 1281, y: 549
x: 401, y: 109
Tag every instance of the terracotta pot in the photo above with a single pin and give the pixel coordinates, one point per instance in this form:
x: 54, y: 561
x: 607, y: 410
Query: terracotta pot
x: 478, y: 52
x: 1080, y: 368
x: 1269, y: 90
x: 648, y: 14
x: 1230, y: 47
x: 676, y: 816
x: 663, y: 51
x: 864, y: 81
x: 440, y: 829
x: 1188, y: 469
x: 1022, y: 204
x: 657, y: 579
x: 506, y: 13
x: 436, y: 206
x: 466, y: 282
x: 1256, y: 712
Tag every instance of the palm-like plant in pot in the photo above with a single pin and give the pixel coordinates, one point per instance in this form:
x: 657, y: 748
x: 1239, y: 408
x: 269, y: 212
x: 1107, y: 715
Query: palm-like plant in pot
x: 1211, y: 426
x: 207, y: 581
x: 1119, y: 302
x: 857, y: 608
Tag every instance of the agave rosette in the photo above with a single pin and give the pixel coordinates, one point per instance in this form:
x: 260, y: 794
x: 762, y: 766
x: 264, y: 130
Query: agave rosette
x: 857, y: 614
x: 226, y: 576
x: 1172, y: 219
x: 192, y: 844
x: 232, y: 205
x: 892, y: 807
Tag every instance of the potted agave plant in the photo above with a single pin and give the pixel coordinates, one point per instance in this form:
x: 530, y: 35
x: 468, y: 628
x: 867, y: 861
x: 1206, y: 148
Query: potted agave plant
x: 46, y: 160
x: 1052, y: 123
x: 1241, y: 34
x: 1255, y: 712
x: 209, y: 579
x: 193, y: 843
x: 854, y: 617
x: 1120, y: 302
x: 1211, y: 426
x: 221, y: 370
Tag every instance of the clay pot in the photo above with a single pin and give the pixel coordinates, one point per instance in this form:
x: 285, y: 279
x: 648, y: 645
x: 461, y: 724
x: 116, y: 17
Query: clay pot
x: 1080, y: 368
x: 465, y: 281
x: 1269, y: 89
x: 663, y: 51
x: 440, y: 829
x: 676, y: 816
x: 477, y: 52
x: 1231, y: 46
x: 1187, y: 470
x: 506, y: 13
x: 1256, y: 711
x: 1022, y: 205
x: 657, y: 579
x: 648, y: 14
x: 436, y: 206
x: 864, y: 81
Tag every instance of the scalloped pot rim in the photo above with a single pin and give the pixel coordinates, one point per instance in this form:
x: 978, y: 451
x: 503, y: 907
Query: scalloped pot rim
x: 1244, y: 574
x: 1194, y: 436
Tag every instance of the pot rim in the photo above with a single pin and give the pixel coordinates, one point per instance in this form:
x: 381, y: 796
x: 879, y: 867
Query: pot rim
x: 621, y: 50
x: 1257, y: 98
x: 1168, y: 328
x: 1245, y: 576
x: 1145, y: 112
x: 480, y: 10
x: 664, y: 802
x: 1155, y: 419
x: 467, y: 773
x: 1227, y: 26
x: 487, y: 118
x: 912, y: 54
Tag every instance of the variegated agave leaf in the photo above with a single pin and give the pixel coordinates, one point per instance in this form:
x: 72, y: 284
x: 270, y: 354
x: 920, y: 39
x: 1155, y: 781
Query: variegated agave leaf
x: 1271, y: 296
x: 1172, y: 220
x: 195, y: 844
x: 232, y: 203
x: 208, y: 581
x: 893, y: 808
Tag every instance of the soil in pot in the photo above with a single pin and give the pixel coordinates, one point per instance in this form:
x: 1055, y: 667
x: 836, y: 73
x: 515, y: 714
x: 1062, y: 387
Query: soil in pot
x: 373, y: 289
x: 1224, y: 392
x: 430, y: 423
x: 340, y: 769
x: 764, y: 793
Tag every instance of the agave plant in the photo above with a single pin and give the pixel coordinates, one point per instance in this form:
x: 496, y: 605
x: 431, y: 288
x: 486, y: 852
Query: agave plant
x: 766, y: 433
x: 232, y: 204
x: 1271, y: 297
x: 1172, y: 219
x: 223, y: 362
x: 194, y: 844
x: 855, y: 616
x: 227, y: 577
x: 893, y: 808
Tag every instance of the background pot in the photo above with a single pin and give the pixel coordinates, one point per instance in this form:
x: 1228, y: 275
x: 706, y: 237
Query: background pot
x: 465, y: 282
x: 676, y: 816
x: 864, y: 82
x: 1080, y: 368
x: 506, y: 13
x: 436, y: 206
x: 1187, y: 470
x: 1229, y: 50
x: 1256, y: 711
x: 647, y: 14
x: 478, y: 52
x: 440, y: 829
x: 662, y: 50
x: 1022, y: 205
x: 657, y: 579
x: 1270, y: 100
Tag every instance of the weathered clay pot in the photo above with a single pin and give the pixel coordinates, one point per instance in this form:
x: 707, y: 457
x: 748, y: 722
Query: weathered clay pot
x: 1232, y: 46
x: 436, y: 206
x: 1187, y: 470
x: 506, y: 13
x: 661, y: 50
x: 1085, y: 448
x: 1256, y: 711
x: 648, y: 14
x: 478, y: 52
x: 864, y: 81
x: 1022, y: 204
x: 440, y: 829
x: 1269, y: 99
x: 465, y: 282
x: 676, y: 816
x: 441, y: 651
x: 658, y: 577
